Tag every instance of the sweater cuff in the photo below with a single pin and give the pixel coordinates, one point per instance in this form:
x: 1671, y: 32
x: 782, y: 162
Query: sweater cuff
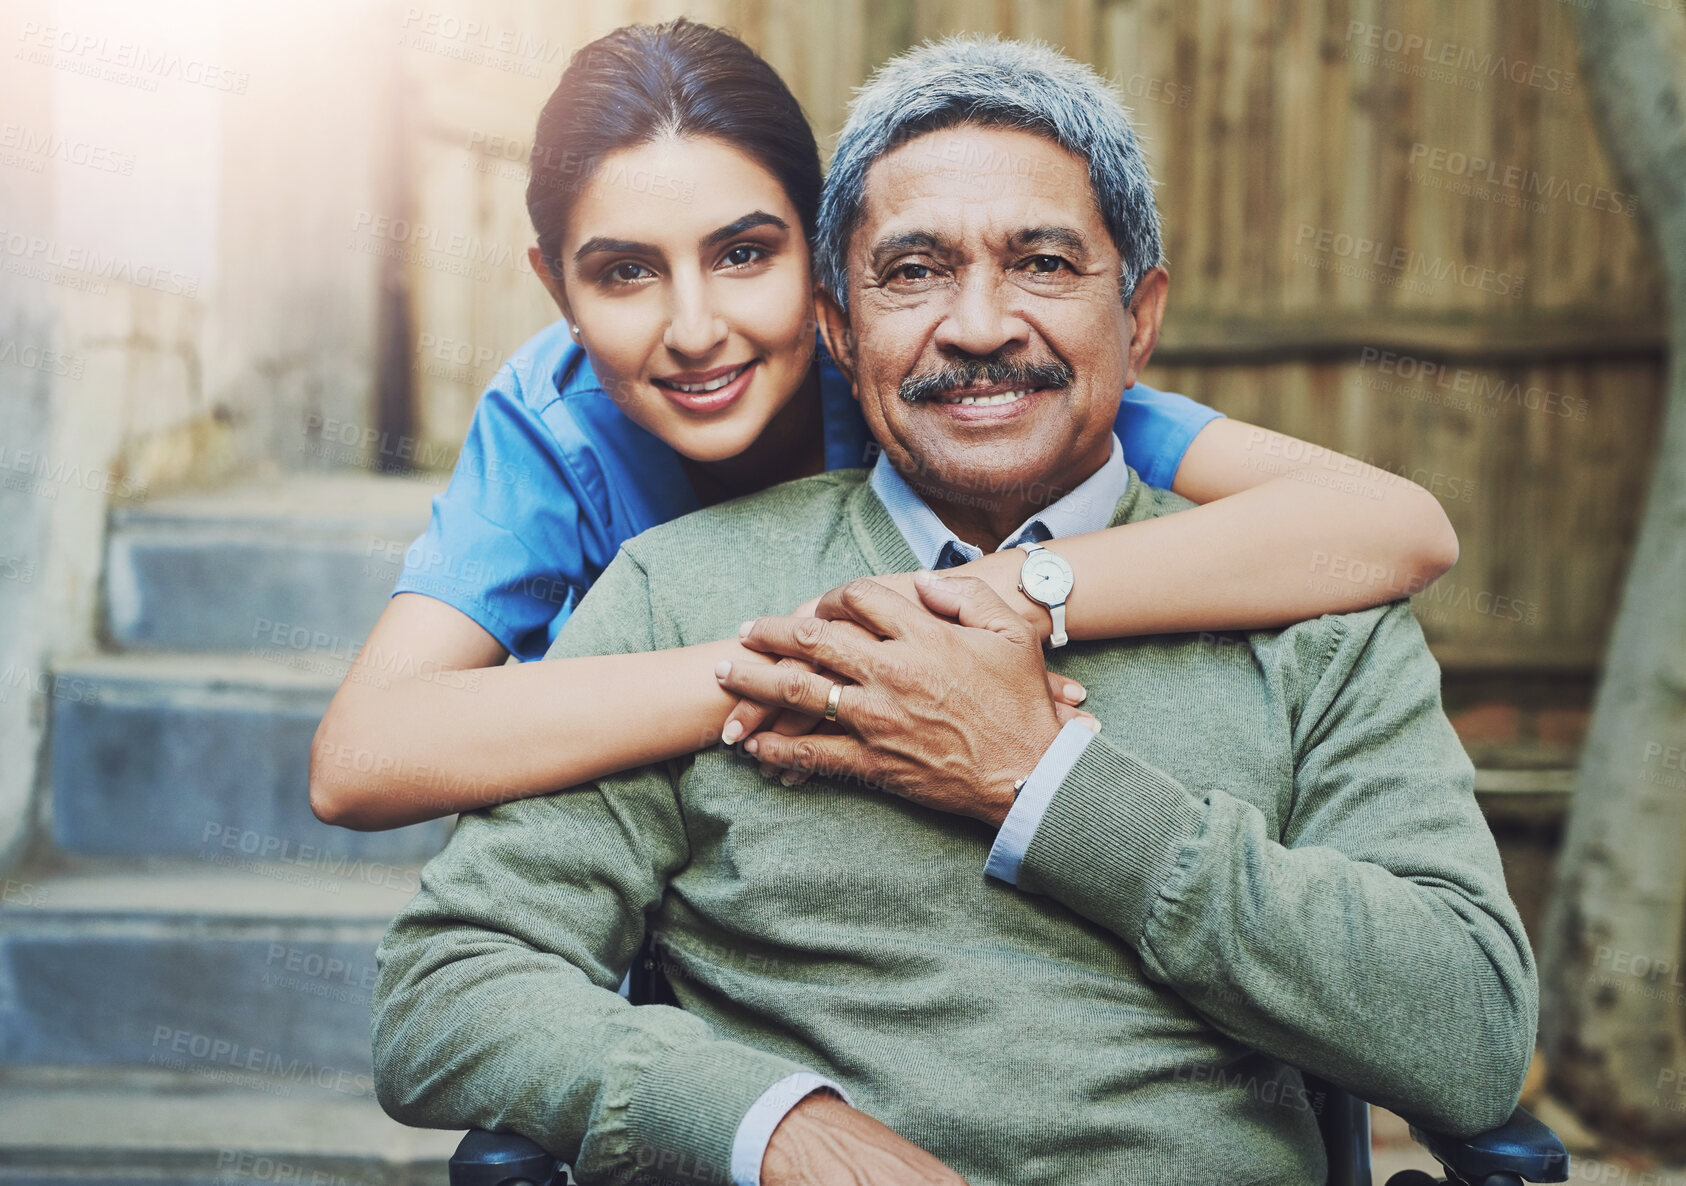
x: 1111, y: 838
x: 686, y: 1107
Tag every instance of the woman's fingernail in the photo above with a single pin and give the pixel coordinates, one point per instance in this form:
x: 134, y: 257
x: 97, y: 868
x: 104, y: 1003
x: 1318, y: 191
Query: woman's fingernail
x: 1076, y: 693
x: 732, y: 731
x: 789, y: 780
x: 744, y: 629
x: 751, y: 746
x: 722, y: 669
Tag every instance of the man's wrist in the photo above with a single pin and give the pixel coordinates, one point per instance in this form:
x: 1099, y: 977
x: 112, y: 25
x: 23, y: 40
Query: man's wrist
x: 1018, y: 825
x: 782, y: 1159
x: 752, y: 1145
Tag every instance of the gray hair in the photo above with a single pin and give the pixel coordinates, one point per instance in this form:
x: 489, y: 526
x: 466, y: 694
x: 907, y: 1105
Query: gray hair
x: 994, y: 82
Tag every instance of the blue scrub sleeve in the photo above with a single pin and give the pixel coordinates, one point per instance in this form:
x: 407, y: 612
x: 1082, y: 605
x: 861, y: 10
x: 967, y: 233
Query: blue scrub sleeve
x: 1156, y: 428
x: 504, y: 545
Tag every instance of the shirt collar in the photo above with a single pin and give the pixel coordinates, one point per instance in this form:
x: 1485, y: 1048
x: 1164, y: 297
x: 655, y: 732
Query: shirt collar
x: 1087, y: 507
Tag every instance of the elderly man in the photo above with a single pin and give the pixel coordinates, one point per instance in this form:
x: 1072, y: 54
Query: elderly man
x: 1269, y: 859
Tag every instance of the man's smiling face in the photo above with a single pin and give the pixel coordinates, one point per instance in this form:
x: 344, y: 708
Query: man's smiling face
x: 985, y: 334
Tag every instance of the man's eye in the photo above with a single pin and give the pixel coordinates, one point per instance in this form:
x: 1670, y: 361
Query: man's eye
x: 912, y: 272
x: 626, y: 272
x: 744, y: 254
x: 1044, y: 264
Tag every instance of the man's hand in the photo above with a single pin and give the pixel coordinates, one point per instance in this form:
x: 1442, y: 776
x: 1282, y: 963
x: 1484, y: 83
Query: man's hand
x: 822, y: 1141
x: 949, y: 715
x: 748, y: 716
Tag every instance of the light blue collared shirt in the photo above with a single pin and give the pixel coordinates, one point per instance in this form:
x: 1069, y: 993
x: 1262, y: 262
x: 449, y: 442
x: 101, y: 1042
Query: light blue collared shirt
x: 1087, y: 507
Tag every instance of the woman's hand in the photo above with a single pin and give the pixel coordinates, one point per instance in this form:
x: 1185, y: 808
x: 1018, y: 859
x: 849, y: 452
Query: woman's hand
x: 748, y: 716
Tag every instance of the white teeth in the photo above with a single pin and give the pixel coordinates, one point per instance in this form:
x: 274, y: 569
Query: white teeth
x: 711, y: 385
x: 988, y: 401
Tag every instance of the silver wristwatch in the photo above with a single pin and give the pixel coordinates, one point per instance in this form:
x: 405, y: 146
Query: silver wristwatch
x: 1046, y: 579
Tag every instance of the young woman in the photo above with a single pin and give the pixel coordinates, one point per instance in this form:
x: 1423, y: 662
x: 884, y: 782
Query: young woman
x: 674, y: 189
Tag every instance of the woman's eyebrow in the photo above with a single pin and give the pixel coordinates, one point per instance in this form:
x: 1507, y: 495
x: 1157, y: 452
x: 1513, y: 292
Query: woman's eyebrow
x: 747, y: 223
x: 619, y: 246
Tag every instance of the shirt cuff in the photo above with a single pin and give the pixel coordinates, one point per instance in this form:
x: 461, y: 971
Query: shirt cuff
x: 755, y: 1130
x: 1011, y: 842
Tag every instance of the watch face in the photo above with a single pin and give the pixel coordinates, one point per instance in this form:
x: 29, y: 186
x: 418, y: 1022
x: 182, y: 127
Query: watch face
x: 1046, y: 577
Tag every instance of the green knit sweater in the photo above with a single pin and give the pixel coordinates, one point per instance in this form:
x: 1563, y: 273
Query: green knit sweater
x: 1271, y: 858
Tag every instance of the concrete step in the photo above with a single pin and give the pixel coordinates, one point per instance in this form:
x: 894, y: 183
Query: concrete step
x: 223, y: 570
x: 201, y: 756
x: 261, y: 974
x: 138, y: 1129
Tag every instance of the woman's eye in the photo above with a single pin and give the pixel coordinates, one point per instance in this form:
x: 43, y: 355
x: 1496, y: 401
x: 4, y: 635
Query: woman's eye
x: 744, y: 254
x: 1044, y: 264
x: 626, y: 272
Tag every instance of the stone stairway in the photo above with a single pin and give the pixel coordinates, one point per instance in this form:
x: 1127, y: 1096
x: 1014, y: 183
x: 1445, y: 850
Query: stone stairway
x: 186, y: 964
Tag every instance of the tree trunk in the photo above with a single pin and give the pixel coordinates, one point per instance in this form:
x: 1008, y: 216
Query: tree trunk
x: 1614, y: 956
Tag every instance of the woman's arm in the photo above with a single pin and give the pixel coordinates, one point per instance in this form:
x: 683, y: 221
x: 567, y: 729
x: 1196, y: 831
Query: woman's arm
x: 428, y: 722
x: 1286, y: 531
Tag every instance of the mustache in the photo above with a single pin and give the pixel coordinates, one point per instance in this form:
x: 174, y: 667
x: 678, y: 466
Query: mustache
x: 973, y: 371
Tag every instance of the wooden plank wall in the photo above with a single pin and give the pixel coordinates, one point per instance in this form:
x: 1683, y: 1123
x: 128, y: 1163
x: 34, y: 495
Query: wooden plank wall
x: 1329, y: 236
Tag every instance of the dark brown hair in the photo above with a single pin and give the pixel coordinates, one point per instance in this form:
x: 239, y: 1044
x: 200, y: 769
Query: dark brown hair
x: 643, y: 82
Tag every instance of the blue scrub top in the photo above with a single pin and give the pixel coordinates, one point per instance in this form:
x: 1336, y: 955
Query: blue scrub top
x: 553, y: 478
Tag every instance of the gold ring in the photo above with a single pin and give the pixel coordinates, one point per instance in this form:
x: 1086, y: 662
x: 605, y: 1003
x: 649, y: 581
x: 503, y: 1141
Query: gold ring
x: 832, y: 701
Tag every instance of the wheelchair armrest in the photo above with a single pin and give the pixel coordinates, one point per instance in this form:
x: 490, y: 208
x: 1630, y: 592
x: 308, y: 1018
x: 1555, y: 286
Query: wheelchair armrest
x: 1521, y: 1146
x: 503, y: 1159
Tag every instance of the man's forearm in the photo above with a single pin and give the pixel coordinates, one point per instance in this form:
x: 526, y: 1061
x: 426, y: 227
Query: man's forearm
x: 1410, y: 993
x: 495, y: 1006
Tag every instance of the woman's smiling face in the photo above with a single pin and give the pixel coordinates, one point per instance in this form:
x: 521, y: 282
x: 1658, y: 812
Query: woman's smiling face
x: 685, y: 271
